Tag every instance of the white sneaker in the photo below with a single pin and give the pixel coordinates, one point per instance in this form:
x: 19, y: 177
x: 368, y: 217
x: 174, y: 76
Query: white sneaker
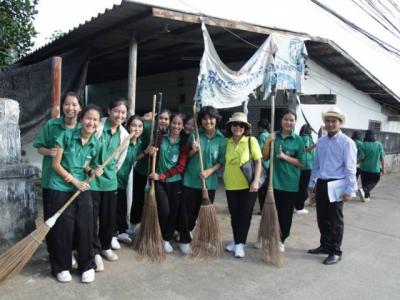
x: 239, y: 250
x: 185, y: 248
x: 88, y: 276
x: 109, y: 255
x: 361, y: 194
x: 124, y: 237
x: 115, y: 244
x: 64, y: 276
x: 230, y: 247
x: 74, y: 264
x: 99, y: 263
x: 167, y: 247
x: 367, y: 199
x: 301, y: 211
x: 281, y: 247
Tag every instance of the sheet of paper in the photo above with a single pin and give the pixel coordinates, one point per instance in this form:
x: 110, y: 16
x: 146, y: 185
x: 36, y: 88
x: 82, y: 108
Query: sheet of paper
x: 335, y: 190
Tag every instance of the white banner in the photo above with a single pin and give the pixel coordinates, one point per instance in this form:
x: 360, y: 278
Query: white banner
x: 289, y: 62
x: 222, y: 87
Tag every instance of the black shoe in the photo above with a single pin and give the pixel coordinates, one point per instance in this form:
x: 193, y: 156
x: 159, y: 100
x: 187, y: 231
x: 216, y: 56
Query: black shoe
x: 319, y: 250
x: 332, y: 259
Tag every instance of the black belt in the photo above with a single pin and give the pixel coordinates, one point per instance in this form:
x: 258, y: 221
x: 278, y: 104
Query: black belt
x: 329, y: 179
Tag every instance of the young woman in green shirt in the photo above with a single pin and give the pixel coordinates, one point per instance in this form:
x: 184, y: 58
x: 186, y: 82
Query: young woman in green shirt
x: 141, y: 169
x: 110, y: 134
x: 75, y: 151
x: 241, y: 195
x: 289, y: 158
x: 46, y: 140
x: 213, y: 151
x: 372, y: 164
x: 133, y: 125
x: 305, y: 172
x: 171, y: 162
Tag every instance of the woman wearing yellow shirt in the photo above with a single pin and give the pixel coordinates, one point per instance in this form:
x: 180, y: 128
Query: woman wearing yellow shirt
x: 240, y: 194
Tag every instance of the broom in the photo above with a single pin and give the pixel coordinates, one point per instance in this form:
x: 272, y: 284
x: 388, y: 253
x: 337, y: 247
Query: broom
x: 17, y: 256
x: 148, y: 241
x: 269, y: 230
x: 206, y: 242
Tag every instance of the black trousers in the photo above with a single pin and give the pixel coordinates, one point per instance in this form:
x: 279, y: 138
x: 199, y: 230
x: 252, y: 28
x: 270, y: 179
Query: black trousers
x: 104, y: 215
x: 330, y: 219
x: 241, y: 204
x: 302, y: 194
x: 358, y: 172
x: 284, y: 205
x: 170, y: 212
x: 139, y: 183
x: 262, y: 192
x: 192, y: 199
x: 76, y: 220
x: 369, y: 181
x: 122, y: 211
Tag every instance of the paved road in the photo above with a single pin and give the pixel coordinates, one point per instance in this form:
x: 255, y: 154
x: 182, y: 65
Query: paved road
x: 370, y: 268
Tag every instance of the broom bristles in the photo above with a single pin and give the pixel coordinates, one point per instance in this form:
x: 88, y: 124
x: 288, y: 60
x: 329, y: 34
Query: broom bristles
x: 206, y: 242
x: 269, y: 232
x: 148, y: 242
x: 17, y: 256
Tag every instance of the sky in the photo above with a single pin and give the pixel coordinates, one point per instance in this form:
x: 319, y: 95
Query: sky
x: 296, y: 15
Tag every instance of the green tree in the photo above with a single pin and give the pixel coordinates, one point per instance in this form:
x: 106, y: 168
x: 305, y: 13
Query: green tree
x: 16, y: 29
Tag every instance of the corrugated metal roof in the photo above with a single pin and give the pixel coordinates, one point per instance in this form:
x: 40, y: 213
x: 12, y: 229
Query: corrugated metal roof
x: 172, y: 40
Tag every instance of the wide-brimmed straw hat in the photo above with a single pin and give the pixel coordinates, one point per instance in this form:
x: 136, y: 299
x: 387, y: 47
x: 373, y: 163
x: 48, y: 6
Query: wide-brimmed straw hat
x: 334, y: 112
x: 239, y: 117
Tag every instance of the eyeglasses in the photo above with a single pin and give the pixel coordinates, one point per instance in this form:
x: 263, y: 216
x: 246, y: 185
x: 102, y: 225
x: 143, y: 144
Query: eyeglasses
x: 236, y: 124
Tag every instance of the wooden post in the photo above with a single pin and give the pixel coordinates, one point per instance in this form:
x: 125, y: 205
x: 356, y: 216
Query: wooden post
x: 132, y: 75
x: 56, y: 87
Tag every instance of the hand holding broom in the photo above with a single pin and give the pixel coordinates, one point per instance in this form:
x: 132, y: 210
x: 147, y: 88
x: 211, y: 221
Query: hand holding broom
x: 206, y: 241
x: 17, y: 256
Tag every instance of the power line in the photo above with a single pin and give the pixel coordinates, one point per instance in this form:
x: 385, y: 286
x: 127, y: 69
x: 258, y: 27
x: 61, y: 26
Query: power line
x: 373, y: 38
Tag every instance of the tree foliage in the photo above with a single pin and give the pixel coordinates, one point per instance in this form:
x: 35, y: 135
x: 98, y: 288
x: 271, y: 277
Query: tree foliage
x: 16, y: 29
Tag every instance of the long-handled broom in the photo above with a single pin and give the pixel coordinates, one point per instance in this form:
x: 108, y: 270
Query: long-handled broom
x: 17, y: 256
x: 206, y: 242
x: 148, y: 241
x: 269, y: 229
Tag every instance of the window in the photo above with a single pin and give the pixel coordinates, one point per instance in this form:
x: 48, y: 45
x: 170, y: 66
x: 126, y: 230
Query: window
x: 374, y: 125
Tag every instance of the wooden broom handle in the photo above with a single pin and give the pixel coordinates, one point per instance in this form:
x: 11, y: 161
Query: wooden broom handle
x: 271, y: 151
x: 196, y: 128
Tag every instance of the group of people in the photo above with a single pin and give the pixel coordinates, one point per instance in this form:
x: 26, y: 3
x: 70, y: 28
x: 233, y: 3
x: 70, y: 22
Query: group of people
x: 76, y: 148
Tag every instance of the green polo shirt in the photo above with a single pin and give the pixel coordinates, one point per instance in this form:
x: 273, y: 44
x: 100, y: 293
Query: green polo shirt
x: 142, y: 166
x: 359, y: 145
x: 308, y: 142
x: 235, y: 156
x: 124, y: 171
x: 47, y: 139
x: 168, y: 155
x: 262, y: 138
x: 213, y: 152
x: 75, y: 157
x: 109, y: 142
x: 373, y: 152
x: 286, y: 176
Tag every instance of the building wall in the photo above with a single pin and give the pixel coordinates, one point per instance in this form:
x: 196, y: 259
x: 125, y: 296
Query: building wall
x: 179, y: 88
